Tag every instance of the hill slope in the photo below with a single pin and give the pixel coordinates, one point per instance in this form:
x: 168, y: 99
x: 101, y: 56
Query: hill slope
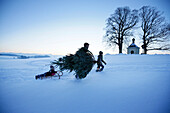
x: 128, y: 84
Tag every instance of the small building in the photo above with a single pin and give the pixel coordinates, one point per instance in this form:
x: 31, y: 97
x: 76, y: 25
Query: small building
x: 133, y: 48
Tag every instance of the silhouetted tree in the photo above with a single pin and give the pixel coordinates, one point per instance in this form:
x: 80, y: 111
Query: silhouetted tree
x: 155, y: 30
x: 119, y: 26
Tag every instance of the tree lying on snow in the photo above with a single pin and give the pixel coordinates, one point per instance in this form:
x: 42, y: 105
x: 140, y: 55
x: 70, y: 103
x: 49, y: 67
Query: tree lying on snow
x: 82, y: 62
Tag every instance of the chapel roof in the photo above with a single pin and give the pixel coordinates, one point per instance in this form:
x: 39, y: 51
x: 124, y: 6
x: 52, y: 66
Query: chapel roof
x: 133, y: 44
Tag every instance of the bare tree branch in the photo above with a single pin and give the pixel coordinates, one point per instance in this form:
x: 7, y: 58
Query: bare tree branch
x: 119, y: 26
x: 155, y: 30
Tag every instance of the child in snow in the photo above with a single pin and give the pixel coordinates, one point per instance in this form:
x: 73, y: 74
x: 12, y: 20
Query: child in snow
x: 51, y: 72
x: 99, y: 62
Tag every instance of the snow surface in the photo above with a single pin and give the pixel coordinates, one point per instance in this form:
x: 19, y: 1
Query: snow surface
x: 128, y: 84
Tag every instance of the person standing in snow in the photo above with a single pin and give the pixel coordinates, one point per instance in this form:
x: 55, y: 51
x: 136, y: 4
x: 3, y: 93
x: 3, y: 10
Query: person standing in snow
x: 83, y: 61
x: 99, y: 62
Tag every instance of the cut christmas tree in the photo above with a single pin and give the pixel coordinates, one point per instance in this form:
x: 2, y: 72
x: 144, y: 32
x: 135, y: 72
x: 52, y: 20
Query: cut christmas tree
x: 81, y: 63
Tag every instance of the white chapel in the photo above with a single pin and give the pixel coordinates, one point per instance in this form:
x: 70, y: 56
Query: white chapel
x: 133, y: 48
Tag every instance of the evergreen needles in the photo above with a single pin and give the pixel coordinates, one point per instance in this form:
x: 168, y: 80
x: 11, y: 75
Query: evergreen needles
x: 82, y: 63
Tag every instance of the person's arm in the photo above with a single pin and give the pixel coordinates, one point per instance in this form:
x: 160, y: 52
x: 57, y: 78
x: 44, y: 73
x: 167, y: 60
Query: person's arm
x: 92, y: 56
x: 103, y: 60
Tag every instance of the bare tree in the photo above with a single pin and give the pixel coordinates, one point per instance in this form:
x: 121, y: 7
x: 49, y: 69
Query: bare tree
x: 119, y: 26
x: 155, y: 30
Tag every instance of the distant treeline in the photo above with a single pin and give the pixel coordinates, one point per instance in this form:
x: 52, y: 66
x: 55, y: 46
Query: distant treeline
x: 23, y: 56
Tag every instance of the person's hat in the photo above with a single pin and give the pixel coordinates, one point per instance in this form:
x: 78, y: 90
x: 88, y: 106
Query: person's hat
x: 86, y: 44
x: 100, y: 52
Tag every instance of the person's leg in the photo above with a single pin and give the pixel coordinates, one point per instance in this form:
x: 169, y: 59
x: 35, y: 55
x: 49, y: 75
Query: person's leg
x: 46, y: 74
x: 77, y: 76
x: 98, y: 67
x: 102, y: 67
x: 40, y: 76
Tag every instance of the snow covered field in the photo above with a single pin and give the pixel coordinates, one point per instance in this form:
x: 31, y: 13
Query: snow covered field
x: 128, y: 84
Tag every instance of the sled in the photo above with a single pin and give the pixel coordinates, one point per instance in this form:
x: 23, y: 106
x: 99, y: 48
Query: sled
x: 44, y: 76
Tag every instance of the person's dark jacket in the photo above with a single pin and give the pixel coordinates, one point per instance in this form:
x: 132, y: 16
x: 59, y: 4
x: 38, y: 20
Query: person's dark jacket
x: 100, y: 59
x: 51, y: 72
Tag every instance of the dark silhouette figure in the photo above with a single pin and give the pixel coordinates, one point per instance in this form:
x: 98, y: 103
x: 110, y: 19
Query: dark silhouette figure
x: 99, y: 62
x: 51, y: 72
x: 81, y: 62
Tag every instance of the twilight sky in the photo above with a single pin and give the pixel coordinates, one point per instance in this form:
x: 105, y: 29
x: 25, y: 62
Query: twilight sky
x: 61, y: 26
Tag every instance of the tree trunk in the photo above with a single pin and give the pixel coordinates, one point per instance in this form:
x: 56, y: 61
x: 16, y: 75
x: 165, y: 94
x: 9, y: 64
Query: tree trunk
x: 144, y: 43
x: 120, y: 48
x: 120, y: 44
x: 145, y: 51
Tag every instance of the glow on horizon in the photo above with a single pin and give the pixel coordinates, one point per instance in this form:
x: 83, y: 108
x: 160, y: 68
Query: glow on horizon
x: 61, y: 27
